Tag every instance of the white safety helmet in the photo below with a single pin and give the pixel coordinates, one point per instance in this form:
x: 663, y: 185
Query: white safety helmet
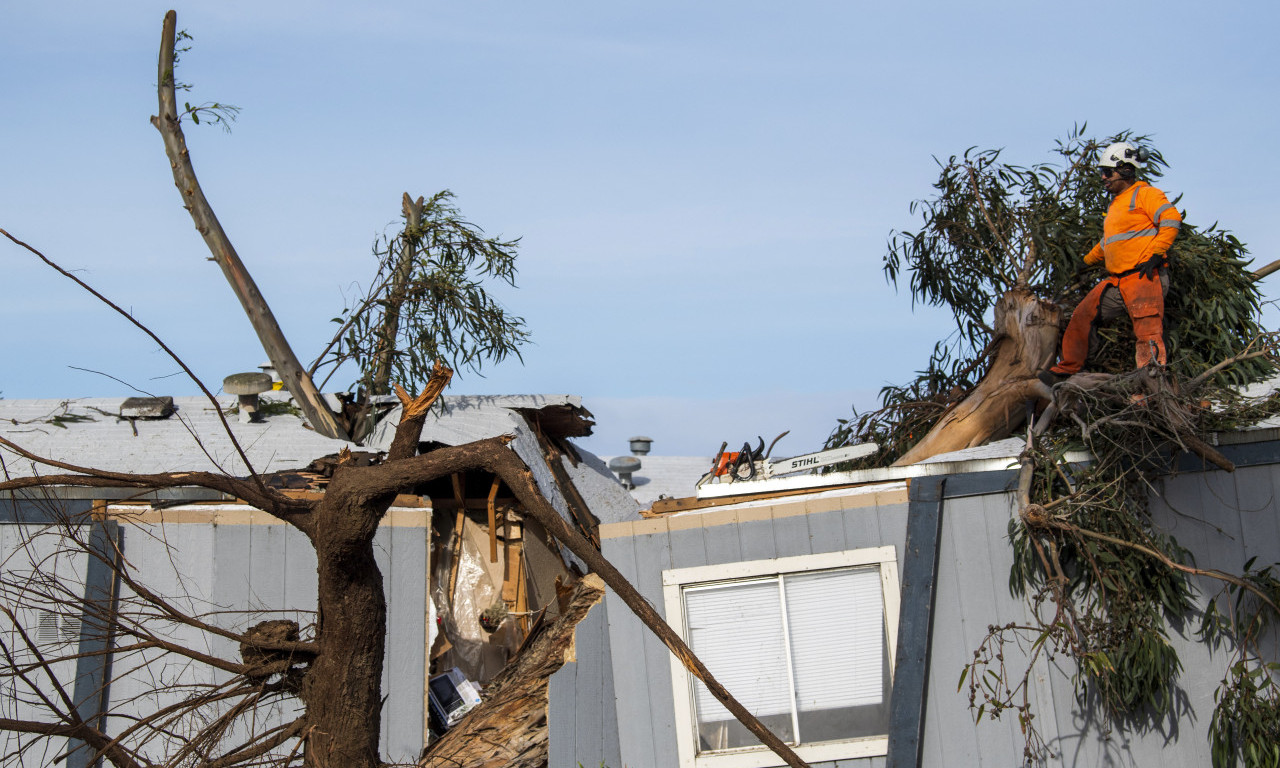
x: 1122, y: 152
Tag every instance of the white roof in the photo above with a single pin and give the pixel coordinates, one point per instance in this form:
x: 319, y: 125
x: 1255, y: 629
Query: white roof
x: 89, y: 432
x: 673, y: 477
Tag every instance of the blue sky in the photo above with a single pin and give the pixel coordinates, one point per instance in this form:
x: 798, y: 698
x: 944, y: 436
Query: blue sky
x: 704, y: 189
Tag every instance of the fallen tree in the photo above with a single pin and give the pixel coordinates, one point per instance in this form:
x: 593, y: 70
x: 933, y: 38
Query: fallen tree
x: 1000, y: 246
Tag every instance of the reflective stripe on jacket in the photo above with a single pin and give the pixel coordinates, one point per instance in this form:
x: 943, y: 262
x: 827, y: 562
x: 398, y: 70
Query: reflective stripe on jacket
x: 1140, y: 223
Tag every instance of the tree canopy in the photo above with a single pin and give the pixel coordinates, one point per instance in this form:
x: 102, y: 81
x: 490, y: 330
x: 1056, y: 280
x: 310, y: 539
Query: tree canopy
x: 428, y: 301
x: 992, y: 227
x: 1001, y: 246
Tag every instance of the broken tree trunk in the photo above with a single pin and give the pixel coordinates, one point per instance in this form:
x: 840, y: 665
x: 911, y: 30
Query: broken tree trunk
x: 380, y: 381
x: 1025, y: 343
x: 517, y: 476
x: 295, y: 377
x: 509, y: 730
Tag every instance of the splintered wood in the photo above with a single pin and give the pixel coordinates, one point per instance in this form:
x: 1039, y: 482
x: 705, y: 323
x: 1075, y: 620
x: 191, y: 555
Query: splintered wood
x: 509, y: 730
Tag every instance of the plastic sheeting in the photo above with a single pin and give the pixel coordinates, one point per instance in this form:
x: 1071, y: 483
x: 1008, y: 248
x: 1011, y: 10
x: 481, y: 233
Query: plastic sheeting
x: 479, y: 654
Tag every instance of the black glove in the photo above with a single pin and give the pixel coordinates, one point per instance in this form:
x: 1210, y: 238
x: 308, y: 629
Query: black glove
x: 1148, y: 268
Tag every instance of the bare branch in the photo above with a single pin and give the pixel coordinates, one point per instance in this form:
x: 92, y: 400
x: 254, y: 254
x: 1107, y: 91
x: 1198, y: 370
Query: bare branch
x: 207, y: 224
x: 1258, y: 274
x: 256, y: 493
x: 172, y: 355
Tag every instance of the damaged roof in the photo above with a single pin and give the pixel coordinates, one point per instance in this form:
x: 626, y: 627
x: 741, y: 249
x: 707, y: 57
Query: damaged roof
x: 91, y: 432
x: 184, y: 434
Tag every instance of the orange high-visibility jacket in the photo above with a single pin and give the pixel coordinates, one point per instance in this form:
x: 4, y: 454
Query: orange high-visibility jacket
x: 1140, y: 223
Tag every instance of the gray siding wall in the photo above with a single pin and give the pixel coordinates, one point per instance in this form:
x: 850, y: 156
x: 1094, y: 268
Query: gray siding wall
x: 582, y: 708
x: 269, y: 570
x: 640, y: 672
x: 235, y: 575
x: 1223, y: 519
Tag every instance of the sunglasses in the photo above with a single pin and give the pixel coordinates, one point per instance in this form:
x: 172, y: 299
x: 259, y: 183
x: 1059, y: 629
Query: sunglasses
x: 1109, y: 172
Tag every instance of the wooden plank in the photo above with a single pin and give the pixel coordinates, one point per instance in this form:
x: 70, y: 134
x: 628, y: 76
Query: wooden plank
x: 471, y: 505
x: 458, y: 498
x: 513, y: 573
x: 663, y: 507
x: 522, y: 602
x: 493, y: 521
x: 578, y: 506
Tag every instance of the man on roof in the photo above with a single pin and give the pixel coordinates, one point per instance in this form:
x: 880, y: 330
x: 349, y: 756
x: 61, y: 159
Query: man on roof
x: 1140, y: 226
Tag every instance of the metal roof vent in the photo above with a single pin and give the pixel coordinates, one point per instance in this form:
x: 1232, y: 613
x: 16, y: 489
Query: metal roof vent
x: 248, y: 386
x: 640, y: 445
x: 269, y: 368
x: 623, y: 466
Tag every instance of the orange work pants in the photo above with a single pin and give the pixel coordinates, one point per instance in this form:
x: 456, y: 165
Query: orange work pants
x: 1144, y: 301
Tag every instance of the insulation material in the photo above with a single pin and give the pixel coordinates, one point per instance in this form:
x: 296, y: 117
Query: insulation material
x: 477, y: 585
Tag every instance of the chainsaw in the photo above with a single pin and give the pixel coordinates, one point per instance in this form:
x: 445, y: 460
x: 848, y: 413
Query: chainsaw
x: 753, y: 463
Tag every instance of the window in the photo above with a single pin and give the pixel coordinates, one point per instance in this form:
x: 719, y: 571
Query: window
x: 805, y: 643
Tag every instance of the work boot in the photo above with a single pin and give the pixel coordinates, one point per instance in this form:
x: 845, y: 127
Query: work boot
x: 1051, y: 378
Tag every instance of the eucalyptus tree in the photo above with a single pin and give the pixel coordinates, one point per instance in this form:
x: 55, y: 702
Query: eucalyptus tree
x: 427, y: 300
x: 1001, y: 246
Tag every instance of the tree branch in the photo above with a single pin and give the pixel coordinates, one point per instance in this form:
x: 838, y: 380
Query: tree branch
x: 255, y: 306
x: 172, y: 355
x: 413, y: 413
x: 294, y: 511
x: 1258, y: 274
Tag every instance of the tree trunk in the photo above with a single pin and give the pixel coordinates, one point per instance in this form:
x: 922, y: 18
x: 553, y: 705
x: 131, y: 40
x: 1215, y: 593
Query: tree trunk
x: 1026, y: 333
x: 380, y: 382
x: 295, y: 377
x: 343, y: 688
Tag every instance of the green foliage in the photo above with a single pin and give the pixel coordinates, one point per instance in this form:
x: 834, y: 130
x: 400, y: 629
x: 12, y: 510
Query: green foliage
x: 430, y: 284
x: 212, y: 112
x: 268, y: 407
x: 1105, y: 582
x: 992, y: 226
x: 1245, y: 727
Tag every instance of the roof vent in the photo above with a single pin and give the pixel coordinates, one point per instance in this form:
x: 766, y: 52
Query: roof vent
x: 147, y: 408
x: 269, y: 368
x: 248, y: 386
x: 640, y: 445
x: 623, y: 466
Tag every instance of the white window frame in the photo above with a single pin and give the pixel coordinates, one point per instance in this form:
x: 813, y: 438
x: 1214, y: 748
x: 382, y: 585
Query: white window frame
x: 674, y: 582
